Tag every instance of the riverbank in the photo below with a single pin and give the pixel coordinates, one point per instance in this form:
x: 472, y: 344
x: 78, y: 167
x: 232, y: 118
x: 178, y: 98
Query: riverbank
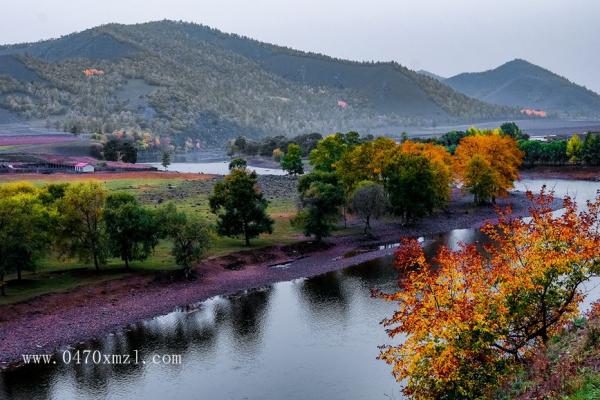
x: 57, y: 320
x: 576, y: 172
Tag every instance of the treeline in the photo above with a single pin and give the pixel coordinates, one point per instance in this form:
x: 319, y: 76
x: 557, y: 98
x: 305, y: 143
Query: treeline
x: 563, y: 151
x: 555, y: 151
x: 84, y: 221
x: 272, y: 146
x: 408, y: 180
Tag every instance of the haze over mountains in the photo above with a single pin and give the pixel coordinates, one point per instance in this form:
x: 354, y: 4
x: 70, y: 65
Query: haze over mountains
x: 188, y: 80
x: 520, y: 83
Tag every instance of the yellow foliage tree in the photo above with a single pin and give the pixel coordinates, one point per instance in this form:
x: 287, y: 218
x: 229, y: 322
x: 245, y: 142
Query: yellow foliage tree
x: 498, y: 152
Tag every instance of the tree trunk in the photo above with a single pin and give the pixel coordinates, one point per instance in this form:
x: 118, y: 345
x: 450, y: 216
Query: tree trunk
x: 127, y: 263
x: 19, y: 273
x: 96, y: 264
x: 2, y: 291
x: 247, y: 239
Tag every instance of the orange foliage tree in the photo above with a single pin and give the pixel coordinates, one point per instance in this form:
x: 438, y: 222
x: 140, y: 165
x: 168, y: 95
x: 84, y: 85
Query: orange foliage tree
x: 470, y: 317
x: 497, y: 155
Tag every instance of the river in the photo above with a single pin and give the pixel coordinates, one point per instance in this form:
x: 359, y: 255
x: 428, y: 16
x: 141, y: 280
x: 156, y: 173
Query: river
x: 311, y: 338
x: 215, y: 167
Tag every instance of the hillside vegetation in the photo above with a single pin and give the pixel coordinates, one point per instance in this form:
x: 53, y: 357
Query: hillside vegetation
x: 520, y: 83
x: 189, y: 80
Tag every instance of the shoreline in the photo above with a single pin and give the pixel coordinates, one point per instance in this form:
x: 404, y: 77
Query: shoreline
x: 55, y: 321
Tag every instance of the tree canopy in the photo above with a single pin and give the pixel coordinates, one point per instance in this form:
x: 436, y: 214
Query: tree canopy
x: 472, y: 317
x: 498, y: 152
x: 80, y: 222
x: 240, y: 206
x: 321, y: 198
x: 291, y: 162
x: 132, y: 229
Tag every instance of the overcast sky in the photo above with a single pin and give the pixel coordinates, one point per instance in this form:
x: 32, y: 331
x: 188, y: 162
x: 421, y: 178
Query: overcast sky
x: 443, y: 36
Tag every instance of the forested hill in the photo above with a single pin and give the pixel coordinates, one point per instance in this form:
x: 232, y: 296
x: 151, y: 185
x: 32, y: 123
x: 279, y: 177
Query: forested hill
x: 193, y: 81
x: 520, y: 83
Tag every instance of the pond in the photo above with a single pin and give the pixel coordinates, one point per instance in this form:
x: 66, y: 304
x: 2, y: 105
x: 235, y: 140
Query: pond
x: 311, y: 338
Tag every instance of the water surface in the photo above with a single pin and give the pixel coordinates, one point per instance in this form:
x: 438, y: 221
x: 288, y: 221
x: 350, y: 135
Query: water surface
x: 310, y: 338
x: 215, y: 167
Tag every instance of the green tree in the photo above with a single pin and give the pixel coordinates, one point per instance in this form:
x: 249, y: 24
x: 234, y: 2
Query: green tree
x: 133, y: 231
x: 119, y: 150
x: 410, y: 184
x: 112, y: 150
x: 511, y: 129
x: 574, y: 148
x: 480, y: 180
x: 24, y: 226
x: 191, y: 237
x: 369, y: 201
x: 321, y: 197
x: 292, y: 160
x: 53, y: 192
x: 331, y: 149
x: 128, y: 152
x: 166, y: 159
x: 590, y: 152
x: 240, y: 206
x: 238, y: 163
x: 80, y: 224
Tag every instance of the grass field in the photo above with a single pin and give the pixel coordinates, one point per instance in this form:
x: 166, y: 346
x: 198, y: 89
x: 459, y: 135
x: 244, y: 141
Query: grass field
x: 189, y: 193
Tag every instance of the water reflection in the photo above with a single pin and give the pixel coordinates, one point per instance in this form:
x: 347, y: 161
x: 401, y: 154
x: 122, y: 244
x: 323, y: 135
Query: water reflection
x: 305, y: 339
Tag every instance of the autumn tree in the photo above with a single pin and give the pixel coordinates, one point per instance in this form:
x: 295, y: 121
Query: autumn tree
x: 470, y: 318
x: 321, y: 198
x: 365, y: 162
x: 498, y: 152
x: 80, y: 225
x: 291, y: 162
x: 240, y: 206
x: 574, y: 148
x: 480, y: 180
x: 277, y: 154
x: 369, y: 201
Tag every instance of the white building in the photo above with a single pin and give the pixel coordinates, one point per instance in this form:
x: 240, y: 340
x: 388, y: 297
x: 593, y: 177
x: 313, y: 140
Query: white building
x: 84, y: 167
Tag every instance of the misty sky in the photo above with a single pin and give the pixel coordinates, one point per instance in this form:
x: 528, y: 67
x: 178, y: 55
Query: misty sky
x: 443, y: 36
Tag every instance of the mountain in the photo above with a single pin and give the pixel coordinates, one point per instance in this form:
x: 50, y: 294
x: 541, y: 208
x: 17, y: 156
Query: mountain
x: 520, y: 83
x: 190, y: 81
x: 431, y: 75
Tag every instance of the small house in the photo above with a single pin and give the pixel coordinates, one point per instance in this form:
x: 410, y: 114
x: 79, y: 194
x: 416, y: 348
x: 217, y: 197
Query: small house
x: 84, y: 167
